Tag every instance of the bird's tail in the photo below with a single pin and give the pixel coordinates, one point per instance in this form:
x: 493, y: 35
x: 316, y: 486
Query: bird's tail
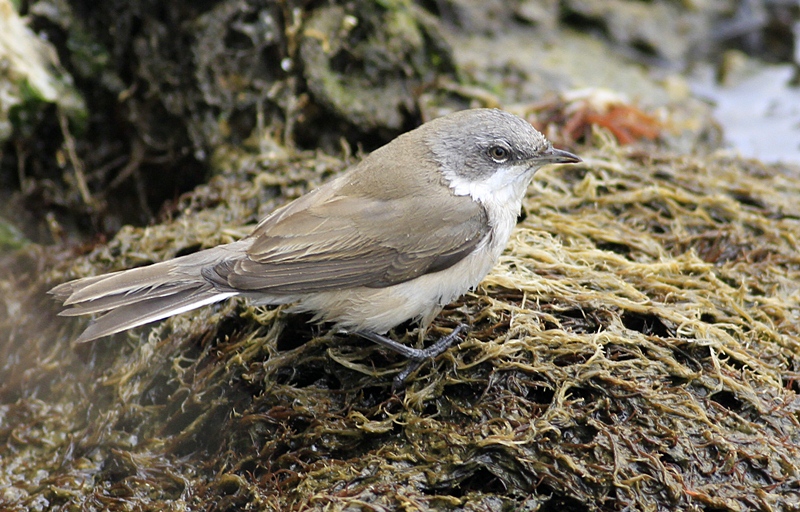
x: 142, y: 295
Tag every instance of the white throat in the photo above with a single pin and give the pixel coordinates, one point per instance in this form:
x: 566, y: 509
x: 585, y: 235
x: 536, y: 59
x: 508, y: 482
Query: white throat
x: 501, y: 193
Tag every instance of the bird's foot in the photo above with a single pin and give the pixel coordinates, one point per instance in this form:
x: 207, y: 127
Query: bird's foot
x: 415, y: 356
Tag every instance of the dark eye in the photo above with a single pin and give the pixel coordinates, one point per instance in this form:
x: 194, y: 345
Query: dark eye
x: 499, y: 154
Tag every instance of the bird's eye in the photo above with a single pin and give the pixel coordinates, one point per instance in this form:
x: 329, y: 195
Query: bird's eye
x: 499, y: 154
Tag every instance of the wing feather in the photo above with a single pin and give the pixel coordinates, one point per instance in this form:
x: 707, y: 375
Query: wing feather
x: 351, y: 241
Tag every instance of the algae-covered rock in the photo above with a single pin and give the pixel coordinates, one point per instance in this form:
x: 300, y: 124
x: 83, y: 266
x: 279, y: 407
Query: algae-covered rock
x: 636, y: 346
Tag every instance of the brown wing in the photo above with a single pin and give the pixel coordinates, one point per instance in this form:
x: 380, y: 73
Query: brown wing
x: 344, y: 241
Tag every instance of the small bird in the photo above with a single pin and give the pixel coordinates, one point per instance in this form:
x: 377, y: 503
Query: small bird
x: 396, y: 237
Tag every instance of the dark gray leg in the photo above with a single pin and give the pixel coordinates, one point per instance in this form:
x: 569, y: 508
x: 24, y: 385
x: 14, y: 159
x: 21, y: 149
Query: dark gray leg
x: 415, y: 356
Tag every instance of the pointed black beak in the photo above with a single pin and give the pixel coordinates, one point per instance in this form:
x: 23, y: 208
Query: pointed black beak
x: 557, y: 156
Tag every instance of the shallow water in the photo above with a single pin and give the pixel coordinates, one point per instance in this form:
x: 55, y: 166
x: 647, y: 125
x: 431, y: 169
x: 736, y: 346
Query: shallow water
x: 760, y: 114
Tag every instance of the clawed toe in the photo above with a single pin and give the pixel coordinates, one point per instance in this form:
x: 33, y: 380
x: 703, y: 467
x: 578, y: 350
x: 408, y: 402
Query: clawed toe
x: 416, y: 357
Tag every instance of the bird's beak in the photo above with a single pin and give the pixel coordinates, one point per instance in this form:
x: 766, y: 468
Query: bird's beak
x: 556, y: 156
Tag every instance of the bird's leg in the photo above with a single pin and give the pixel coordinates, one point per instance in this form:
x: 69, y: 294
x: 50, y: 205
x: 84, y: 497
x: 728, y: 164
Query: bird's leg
x: 415, y: 356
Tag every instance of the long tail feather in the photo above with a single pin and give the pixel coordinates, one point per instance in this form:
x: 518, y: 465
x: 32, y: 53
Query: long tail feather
x: 135, y: 297
x: 150, y: 310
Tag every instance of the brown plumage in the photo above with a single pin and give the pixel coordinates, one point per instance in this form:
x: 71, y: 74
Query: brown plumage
x: 396, y: 237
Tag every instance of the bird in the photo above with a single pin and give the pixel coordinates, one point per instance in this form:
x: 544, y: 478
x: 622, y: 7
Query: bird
x: 396, y: 237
